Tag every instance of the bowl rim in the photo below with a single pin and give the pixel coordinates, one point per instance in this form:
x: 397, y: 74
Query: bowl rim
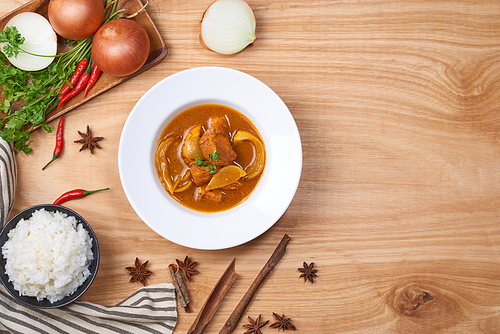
x: 93, y: 267
x: 268, y: 201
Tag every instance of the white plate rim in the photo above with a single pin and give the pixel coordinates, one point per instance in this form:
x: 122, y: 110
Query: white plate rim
x: 268, y: 202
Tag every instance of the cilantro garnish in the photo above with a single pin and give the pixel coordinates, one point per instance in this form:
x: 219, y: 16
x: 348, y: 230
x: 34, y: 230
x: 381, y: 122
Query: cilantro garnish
x: 213, y: 157
x: 200, y: 162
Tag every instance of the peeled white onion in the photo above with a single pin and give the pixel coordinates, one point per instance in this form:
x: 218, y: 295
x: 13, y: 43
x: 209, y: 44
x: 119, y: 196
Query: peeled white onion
x: 227, y: 26
x: 40, y: 39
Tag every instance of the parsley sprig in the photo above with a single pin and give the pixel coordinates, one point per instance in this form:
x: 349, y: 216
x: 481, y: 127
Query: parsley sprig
x: 28, y: 96
x: 11, y: 40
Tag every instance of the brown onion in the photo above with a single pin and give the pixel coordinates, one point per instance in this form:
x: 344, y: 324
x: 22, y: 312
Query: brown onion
x: 120, y: 47
x: 76, y: 19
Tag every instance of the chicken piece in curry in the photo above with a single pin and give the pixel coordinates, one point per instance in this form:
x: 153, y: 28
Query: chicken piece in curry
x: 210, y: 158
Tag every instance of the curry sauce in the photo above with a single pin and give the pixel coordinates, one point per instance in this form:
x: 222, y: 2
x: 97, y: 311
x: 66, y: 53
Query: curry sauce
x: 198, y: 146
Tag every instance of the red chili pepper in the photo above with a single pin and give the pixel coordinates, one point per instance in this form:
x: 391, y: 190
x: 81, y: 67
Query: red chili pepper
x: 73, y: 194
x: 59, y: 142
x: 96, y: 72
x: 84, y: 78
x: 82, y: 65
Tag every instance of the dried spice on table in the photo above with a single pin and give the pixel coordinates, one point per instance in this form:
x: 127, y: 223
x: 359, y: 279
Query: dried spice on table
x: 308, y: 272
x: 187, y: 268
x: 254, y: 325
x: 282, y: 322
x: 139, y: 272
x: 235, y: 317
x: 180, y: 287
x: 214, y: 300
x: 88, y: 141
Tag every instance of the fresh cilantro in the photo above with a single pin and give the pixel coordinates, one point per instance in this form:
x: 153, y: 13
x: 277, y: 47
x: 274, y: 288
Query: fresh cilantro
x: 200, y: 162
x: 27, y: 97
x: 11, y: 40
x: 214, y: 156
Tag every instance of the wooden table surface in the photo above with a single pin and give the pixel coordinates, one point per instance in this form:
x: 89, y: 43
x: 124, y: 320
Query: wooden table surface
x: 398, y: 206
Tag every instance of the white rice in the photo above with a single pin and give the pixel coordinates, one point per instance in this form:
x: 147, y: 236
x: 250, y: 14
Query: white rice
x: 47, y: 256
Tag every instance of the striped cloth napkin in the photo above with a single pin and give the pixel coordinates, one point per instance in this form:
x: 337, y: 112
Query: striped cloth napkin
x: 151, y: 309
x: 8, y: 180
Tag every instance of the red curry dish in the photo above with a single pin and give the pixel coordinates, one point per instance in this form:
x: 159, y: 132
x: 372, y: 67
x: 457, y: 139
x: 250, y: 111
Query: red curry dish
x: 210, y: 158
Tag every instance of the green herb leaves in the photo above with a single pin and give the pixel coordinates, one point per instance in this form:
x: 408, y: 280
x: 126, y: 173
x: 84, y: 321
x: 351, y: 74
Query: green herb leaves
x: 200, y: 162
x: 27, y: 97
x: 213, y: 157
x: 11, y: 40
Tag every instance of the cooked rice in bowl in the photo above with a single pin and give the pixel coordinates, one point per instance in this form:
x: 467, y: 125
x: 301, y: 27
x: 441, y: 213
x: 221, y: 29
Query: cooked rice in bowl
x: 48, y: 255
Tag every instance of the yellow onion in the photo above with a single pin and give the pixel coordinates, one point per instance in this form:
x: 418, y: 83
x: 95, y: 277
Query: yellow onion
x: 76, y: 19
x: 120, y: 47
x: 227, y: 26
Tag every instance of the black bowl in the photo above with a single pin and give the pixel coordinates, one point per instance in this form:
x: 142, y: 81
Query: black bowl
x: 45, y: 303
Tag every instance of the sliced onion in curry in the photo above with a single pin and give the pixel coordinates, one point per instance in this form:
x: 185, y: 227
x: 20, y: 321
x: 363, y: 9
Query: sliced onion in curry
x: 260, y: 156
x: 161, y: 161
x: 186, y: 182
x: 180, y: 183
x: 191, y: 148
x: 225, y: 176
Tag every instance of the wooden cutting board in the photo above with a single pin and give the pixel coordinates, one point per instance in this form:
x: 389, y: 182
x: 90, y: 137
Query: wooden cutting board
x: 397, y: 104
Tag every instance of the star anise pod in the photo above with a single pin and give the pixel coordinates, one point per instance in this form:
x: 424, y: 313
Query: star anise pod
x: 254, y: 326
x: 139, y: 272
x: 308, y: 272
x: 187, y: 268
x: 282, y: 323
x: 88, y: 141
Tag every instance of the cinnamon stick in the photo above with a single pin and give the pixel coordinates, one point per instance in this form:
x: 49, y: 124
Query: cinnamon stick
x: 214, y: 300
x: 180, y: 287
x: 235, y: 317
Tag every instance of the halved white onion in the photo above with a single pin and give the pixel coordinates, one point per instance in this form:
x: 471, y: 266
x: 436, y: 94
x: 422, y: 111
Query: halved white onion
x: 227, y: 26
x: 40, y: 39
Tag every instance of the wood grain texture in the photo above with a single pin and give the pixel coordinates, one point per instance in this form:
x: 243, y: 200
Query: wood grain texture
x: 397, y: 104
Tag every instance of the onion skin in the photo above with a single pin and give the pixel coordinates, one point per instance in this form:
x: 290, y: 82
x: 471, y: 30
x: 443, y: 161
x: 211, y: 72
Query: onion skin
x: 76, y: 19
x: 120, y: 47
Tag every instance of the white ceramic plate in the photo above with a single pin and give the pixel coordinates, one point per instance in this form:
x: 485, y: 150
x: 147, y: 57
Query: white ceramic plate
x: 265, y: 205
